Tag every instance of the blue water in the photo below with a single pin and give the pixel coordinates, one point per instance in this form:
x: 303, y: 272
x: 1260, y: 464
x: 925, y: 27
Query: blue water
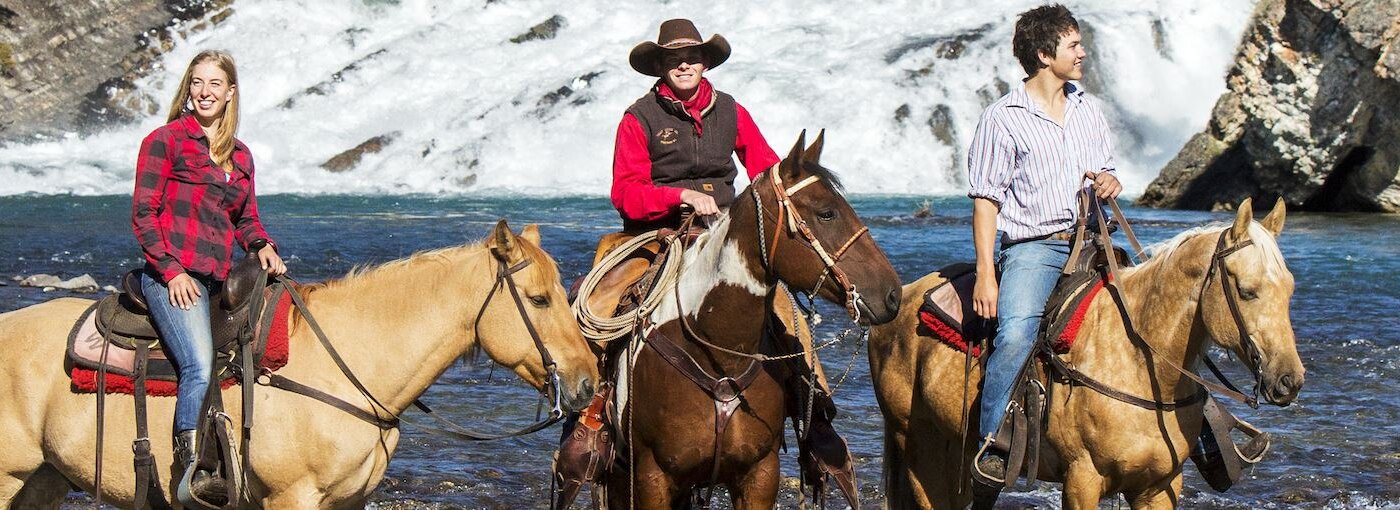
x: 1337, y: 447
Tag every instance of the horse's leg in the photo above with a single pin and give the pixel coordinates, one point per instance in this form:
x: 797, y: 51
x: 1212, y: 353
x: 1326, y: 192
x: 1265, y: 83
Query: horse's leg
x: 298, y: 496
x: 46, y: 488
x: 646, y: 486
x: 757, y: 489
x: 1163, y: 496
x: 17, y: 465
x: 1083, y: 486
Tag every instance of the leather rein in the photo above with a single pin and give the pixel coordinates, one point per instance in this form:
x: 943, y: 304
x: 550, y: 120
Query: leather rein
x: 382, y: 417
x: 1111, y: 280
x: 787, y: 213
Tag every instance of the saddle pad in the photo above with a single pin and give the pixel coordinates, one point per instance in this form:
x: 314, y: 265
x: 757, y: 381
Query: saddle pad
x: 947, y: 305
x: 85, y: 352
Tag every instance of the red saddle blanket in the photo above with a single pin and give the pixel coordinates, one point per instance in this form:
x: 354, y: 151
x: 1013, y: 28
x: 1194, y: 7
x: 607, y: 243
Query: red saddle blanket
x: 947, y: 306
x: 86, y: 352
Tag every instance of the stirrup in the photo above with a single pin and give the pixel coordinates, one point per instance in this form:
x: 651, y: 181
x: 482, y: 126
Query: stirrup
x: 986, y: 487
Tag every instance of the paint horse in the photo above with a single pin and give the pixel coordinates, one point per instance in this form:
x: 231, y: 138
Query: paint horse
x: 702, y: 408
x: 397, y: 326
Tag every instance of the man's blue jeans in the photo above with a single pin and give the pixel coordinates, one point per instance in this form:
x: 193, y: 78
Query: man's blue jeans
x: 1028, y: 272
x: 188, y: 341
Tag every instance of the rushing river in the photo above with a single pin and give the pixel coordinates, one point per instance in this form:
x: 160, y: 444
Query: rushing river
x: 1338, y: 446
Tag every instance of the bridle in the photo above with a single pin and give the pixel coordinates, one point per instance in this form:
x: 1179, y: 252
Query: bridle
x: 551, y: 391
x: 1246, y: 341
x: 789, y: 215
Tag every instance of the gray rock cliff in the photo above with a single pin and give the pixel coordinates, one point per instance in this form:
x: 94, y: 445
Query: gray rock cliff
x: 69, y: 66
x: 1311, y: 114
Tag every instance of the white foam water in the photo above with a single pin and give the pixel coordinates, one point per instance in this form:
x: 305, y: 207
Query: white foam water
x: 897, y: 85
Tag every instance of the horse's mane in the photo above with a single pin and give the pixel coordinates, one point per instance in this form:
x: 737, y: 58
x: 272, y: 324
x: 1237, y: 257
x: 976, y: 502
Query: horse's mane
x: 1261, y: 236
x: 825, y: 174
x: 361, y: 271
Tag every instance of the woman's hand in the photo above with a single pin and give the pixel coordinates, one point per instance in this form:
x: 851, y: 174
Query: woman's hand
x: 704, y: 204
x: 271, y: 261
x: 183, y: 291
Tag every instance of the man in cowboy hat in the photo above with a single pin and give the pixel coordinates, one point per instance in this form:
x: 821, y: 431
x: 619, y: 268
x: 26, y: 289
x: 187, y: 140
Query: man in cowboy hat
x: 676, y: 146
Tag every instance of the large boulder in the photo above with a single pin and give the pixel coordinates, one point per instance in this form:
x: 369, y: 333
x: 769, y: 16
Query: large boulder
x: 1310, y: 115
x: 69, y: 66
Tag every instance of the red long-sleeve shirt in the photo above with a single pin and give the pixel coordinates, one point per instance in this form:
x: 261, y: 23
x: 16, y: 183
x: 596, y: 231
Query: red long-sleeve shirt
x: 186, y: 212
x: 634, y: 194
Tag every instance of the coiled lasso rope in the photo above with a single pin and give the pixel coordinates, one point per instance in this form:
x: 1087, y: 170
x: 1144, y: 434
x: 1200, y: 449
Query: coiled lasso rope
x: 605, y: 329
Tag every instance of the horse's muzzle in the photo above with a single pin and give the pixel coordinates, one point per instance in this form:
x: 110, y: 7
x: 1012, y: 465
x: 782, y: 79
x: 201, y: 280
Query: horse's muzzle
x: 582, y: 393
x: 1283, y: 389
x: 885, y: 310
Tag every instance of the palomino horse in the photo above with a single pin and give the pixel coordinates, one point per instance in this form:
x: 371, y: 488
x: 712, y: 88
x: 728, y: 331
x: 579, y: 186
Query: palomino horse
x: 716, y: 316
x: 398, y: 326
x: 1094, y: 444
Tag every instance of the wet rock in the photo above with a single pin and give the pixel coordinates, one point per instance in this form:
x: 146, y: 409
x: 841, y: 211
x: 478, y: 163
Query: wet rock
x: 84, y: 284
x: 68, y: 67
x: 902, y: 113
x: 925, y: 210
x: 547, y: 29
x: 324, y: 87
x: 351, y: 158
x: 944, y: 46
x: 556, y: 96
x: 1308, y: 115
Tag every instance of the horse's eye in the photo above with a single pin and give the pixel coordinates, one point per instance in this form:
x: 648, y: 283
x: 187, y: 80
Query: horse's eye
x: 826, y: 215
x: 539, y: 301
x: 1248, y: 295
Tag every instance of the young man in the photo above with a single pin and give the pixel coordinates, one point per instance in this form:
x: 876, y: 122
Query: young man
x: 1034, y: 149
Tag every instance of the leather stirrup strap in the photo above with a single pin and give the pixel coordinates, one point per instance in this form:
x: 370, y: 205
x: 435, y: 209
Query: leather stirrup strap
x: 1016, y: 459
x: 101, y: 418
x: 1035, y: 414
x: 146, y: 476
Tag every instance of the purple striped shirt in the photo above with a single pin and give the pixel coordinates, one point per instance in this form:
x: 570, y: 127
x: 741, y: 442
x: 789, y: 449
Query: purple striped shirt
x: 1031, y: 166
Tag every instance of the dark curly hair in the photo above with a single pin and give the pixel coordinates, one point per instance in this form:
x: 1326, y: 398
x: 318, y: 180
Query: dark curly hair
x: 1038, y: 31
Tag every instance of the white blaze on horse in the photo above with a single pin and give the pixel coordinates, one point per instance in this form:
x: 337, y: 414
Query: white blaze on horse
x: 1095, y: 444
x: 398, y: 327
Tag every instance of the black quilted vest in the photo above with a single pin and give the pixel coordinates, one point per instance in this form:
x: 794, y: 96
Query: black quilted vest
x: 682, y: 159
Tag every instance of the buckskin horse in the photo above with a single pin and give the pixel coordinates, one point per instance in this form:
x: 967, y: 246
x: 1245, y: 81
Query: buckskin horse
x: 1179, y: 301
x: 398, y: 326
x: 702, y: 410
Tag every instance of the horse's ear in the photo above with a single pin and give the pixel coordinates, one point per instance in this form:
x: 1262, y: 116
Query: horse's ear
x: 1240, y: 230
x: 1274, y: 221
x: 502, y: 241
x: 791, y: 166
x: 531, y: 233
x: 813, y: 154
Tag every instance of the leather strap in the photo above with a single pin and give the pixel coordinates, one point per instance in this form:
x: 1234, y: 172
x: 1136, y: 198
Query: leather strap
x: 283, y: 383
x: 147, y: 477
x: 723, y: 391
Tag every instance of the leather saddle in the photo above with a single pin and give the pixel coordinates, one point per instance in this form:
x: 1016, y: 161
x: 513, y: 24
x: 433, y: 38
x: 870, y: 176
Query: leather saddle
x: 951, y: 301
x: 124, y: 320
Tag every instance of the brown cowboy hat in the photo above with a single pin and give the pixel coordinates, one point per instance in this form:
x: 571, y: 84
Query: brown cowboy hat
x: 676, y: 34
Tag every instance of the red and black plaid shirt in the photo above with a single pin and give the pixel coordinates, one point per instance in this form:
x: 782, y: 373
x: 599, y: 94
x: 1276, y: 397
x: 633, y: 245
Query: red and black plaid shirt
x: 186, y: 213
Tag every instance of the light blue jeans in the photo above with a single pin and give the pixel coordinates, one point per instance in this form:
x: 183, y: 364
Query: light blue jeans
x: 1028, y: 272
x: 188, y: 340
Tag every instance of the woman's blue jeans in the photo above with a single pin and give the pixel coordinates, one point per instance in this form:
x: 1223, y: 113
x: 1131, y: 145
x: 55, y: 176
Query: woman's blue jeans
x: 1028, y: 272
x: 188, y: 340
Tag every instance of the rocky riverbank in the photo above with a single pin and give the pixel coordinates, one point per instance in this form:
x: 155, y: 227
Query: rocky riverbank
x: 1309, y: 115
x: 71, y: 66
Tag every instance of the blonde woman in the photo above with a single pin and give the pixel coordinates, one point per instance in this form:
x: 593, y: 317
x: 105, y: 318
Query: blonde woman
x: 193, y: 200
